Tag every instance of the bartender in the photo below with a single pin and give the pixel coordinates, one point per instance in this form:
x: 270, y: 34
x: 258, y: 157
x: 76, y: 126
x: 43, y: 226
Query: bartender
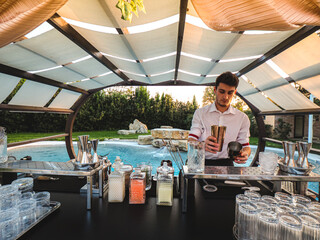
x: 221, y: 113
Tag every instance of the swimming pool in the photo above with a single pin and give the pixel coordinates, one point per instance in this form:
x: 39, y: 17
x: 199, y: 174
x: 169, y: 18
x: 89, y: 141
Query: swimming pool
x: 130, y: 152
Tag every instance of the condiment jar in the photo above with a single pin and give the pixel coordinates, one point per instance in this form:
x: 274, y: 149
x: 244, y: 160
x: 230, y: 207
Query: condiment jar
x: 116, y: 191
x: 137, y: 190
x: 165, y: 187
x: 126, y: 169
x: 165, y: 167
x: 117, y: 163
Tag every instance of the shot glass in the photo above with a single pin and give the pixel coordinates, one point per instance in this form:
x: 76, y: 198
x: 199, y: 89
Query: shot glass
x: 290, y: 227
x: 27, y: 213
x: 9, y: 222
x: 42, y: 203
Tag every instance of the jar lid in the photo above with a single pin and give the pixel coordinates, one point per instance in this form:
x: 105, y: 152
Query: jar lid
x: 165, y: 168
x: 126, y: 168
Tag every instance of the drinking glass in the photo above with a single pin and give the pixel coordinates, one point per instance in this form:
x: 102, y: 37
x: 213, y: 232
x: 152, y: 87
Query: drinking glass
x: 196, y: 156
x: 9, y: 224
x: 314, y: 206
x: 26, y: 196
x: 267, y: 223
x: 271, y: 201
x: 9, y: 196
x: 246, y: 220
x: 300, y: 208
x: 284, y: 208
x: 290, y: 227
x: 42, y: 203
x: 283, y: 197
x: 27, y: 213
x: 240, y: 198
x: 310, y: 227
x: 253, y: 196
x: 297, y: 198
x: 268, y: 162
x: 24, y: 184
x: 261, y: 205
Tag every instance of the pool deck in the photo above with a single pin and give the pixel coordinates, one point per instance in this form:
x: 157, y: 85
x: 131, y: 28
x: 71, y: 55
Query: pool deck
x: 209, y: 214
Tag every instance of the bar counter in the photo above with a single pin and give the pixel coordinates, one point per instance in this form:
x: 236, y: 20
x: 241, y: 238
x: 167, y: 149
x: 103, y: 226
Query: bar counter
x: 209, y: 215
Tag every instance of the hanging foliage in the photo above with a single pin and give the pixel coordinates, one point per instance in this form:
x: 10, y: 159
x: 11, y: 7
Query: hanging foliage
x: 127, y: 7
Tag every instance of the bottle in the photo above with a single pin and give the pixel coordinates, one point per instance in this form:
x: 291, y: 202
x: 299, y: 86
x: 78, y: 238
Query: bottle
x: 116, y: 191
x: 165, y: 187
x: 117, y: 163
x: 3, y: 145
x: 148, y: 170
x: 137, y: 190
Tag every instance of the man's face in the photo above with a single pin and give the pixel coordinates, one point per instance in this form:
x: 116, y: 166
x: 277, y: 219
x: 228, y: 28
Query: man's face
x: 224, y: 94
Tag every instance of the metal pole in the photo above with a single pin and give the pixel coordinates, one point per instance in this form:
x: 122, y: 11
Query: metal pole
x: 310, y: 124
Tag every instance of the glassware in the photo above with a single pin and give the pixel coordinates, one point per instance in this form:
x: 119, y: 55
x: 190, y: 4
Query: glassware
x: 165, y: 187
x: 3, y: 145
x: 271, y: 201
x: 126, y: 169
x: 268, y: 162
x: 314, y: 206
x: 283, y: 197
x: 196, y: 156
x: 27, y: 213
x: 9, y: 196
x: 146, y: 168
x: 9, y: 222
x: 42, y: 203
x: 315, y: 213
x: 310, y: 227
x: 253, y: 196
x: 284, y: 208
x: 24, y: 184
x: 240, y: 198
x: 267, y: 223
x: 137, y: 190
x: 300, y: 208
x: 116, y: 191
x: 26, y: 196
x: 290, y: 227
x: 297, y: 198
x: 117, y: 163
x: 168, y: 168
x: 246, y: 220
x: 261, y: 205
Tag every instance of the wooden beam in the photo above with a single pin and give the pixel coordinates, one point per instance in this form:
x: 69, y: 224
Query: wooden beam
x: 19, y: 108
x: 182, y: 23
x: 290, y: 41
x: 36, y: 140
x: 36, y: 78
x: 67, y: 30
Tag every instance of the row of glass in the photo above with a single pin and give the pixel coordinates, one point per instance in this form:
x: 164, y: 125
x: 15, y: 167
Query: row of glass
x: 20, y: 207
x: 139, y: 182
x: 280, y: 217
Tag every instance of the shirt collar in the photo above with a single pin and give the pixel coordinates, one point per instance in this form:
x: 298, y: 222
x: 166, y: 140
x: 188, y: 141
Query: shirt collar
x: 230, y: 110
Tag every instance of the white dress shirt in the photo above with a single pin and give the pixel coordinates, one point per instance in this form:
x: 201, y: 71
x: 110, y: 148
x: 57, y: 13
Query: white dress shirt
x: 237, y: 124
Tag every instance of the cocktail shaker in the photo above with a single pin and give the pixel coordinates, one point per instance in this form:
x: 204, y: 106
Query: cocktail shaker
x: 219, y: 132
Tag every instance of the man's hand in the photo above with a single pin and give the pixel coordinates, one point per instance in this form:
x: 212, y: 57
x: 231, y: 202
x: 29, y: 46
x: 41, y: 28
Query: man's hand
x: 211, y: 144
x: 244, y: 155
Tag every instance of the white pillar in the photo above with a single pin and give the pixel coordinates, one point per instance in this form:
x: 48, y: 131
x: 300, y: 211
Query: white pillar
x: 310, y: 124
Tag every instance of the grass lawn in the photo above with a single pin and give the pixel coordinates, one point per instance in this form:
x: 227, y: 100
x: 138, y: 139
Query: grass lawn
x: 102, y: 135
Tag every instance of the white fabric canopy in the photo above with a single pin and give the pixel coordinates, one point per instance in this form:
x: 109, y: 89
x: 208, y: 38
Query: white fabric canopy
x: 7, y: 83
x: 65, y: 99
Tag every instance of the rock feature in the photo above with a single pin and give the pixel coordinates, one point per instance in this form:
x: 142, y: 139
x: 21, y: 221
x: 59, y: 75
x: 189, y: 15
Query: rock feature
x: 126, y: 132
x: 138, y: 126
x: 145, y: 139
x: 182, y: 145
x: 173, y: 133
x: 166, y: 127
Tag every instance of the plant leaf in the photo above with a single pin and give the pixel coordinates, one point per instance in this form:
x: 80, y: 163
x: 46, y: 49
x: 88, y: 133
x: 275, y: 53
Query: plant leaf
x: 134, y: 7
x: 140, y: 5
x: 126, y: 14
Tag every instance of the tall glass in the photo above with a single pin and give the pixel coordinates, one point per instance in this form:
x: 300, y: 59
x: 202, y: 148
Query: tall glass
x: 297, y: 198
x: 310, y: 227
x: 314, y: 206
x: 268, y: 162
x: 3, y: 145
x: 240, y: 198
x: 9, y: 196
x: 284, y: 208
x: 246, y: 220
x: 271, y: 201
x: 27, y: 213
x: 267, y: 224
x: 196, y: 156
x: 283, y: 197
x: 253, y: 196
x: 9, y: 222
x: 290, y: 227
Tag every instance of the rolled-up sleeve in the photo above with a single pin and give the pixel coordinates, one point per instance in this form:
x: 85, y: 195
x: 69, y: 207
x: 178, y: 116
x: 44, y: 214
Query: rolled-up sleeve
x: 196, y: 127
x: 244, y: 133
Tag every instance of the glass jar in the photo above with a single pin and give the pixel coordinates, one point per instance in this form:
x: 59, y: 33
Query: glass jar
x: 267, y: 223
x: 165, y: 167
x: 147, y: 169
x: 116, y: 191
x: 126, y: 169
x: 137, y: 190
x: 290, y: 227
x: 3, y: 145
x: 165, y: 188
x: 117, y: 163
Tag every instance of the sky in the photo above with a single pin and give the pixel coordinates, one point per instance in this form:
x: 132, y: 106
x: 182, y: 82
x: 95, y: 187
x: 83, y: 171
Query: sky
x: 180, y: 93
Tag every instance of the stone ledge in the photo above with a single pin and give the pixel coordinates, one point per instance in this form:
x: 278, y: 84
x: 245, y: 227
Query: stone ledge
x: 174, y: 133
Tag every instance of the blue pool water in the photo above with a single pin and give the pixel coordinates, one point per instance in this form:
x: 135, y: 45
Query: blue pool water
x: 130, y: 152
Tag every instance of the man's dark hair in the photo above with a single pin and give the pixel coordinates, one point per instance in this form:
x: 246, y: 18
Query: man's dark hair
x: 227, y: 78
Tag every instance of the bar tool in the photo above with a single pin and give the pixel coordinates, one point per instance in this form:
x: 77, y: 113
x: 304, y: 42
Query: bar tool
x: 94, y: 144
x: 305, y: 148
x: 219, y: 132
x: 291, y: 147
x: 84, y: 147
